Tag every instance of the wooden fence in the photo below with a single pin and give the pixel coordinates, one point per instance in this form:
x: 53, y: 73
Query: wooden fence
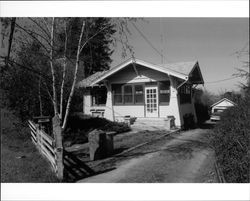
x: 65, y: 164
x: 44, y: 143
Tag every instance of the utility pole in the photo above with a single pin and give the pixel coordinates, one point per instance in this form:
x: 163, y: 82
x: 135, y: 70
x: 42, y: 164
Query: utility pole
x: 161, y: 41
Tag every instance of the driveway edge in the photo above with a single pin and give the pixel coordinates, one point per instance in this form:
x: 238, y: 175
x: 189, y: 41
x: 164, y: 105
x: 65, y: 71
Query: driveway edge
x: 219, y: 172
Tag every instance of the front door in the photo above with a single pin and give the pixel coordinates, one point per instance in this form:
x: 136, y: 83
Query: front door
x: 151, y: 101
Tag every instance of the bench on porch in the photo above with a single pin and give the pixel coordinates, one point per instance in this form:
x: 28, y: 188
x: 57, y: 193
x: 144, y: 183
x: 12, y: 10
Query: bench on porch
x: 97, y: 112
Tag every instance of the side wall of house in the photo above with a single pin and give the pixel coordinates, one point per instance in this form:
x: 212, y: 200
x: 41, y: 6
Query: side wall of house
x: 187, y: 108
x: 87, y: 102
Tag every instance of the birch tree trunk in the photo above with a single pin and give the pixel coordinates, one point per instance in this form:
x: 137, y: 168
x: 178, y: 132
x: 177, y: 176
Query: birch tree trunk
x: 40, y: 98
x: 64, y: 71
x: 79, y: 48
x: 52, y: 67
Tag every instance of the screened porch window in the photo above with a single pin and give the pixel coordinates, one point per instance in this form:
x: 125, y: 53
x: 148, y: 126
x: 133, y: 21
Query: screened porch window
x: 128, y: 94
x: 164, y: 92
x: 99, y: 96
x: 185, y: 94
x: 117, y: 94
x: 138, y: 94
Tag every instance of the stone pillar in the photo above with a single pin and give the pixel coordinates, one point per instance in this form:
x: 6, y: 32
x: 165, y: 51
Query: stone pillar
x: 109, y: 113
x: 97, y: 144
x: 110, y: 143
x: 174, y: 101
x: 58, y: 146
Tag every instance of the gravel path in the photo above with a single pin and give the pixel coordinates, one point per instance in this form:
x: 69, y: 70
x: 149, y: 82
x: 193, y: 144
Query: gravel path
x: 183, y: 158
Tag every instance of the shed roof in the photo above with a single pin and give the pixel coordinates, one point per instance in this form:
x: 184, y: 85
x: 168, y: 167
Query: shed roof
x: 181, y: 70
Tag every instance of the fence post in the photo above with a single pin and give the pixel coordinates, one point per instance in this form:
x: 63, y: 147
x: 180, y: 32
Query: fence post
x: 38, y: 138
x: 57, y: 132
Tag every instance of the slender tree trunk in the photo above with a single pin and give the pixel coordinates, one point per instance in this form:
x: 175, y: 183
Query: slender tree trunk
x: 40, y: 98
x: 64, y: 72
x: 52, y: 67
x: 79, y: 48
x: 12, y: 28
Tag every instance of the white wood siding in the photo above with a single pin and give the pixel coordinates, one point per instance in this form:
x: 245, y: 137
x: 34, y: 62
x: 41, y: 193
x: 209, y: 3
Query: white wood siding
x: 132, y: 110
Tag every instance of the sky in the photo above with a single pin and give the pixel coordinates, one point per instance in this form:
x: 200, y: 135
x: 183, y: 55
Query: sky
x: 210, y: 41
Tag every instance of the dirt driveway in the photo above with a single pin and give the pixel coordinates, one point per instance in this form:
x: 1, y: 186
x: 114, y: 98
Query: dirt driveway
x: 183, y: 157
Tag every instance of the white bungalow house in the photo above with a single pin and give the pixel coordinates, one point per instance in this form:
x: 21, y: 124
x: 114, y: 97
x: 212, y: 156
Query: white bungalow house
x: 219, y: 107
x: 143, y: 90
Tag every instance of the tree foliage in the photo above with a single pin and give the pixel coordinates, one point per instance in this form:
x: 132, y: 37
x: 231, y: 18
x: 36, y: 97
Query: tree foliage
x: 30, y: 72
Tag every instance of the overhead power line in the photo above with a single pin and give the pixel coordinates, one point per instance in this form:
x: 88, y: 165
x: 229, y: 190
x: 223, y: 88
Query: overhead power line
x: 147, y: 40
x: 231, y: 78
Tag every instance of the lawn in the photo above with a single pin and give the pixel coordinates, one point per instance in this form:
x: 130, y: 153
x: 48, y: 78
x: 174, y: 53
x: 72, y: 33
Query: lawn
x: 122, y: 142
x: 20, y: 161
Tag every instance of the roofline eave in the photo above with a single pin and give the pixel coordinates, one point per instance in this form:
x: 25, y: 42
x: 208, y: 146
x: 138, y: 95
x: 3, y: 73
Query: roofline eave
x: 143, y: 63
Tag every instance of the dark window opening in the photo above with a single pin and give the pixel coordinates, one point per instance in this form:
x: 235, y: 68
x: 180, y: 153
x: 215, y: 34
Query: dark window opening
x: 117, y: 94
x: 99, y: 96
x: 128, y: 94
x: 164, y: 92
x: 185, y: 94
x: 138, y: 94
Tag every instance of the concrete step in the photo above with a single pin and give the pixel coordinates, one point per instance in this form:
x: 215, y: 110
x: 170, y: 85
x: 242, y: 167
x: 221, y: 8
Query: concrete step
x: 150, y: 124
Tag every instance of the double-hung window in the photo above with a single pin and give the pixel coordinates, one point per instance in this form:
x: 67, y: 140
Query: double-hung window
x: 138, y: 94
x: 164, y: 92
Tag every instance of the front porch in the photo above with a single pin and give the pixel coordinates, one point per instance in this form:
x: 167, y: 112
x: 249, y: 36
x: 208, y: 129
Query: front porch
x: 142, y: 90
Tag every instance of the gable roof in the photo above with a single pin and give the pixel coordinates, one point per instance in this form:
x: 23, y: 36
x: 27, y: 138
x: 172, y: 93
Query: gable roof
x: 180, y: 70
x: 223, y: 99
x: 89, y: 80
x: 181, y: 67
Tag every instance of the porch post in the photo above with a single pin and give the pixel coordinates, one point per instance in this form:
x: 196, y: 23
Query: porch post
x: 109, y: 113
x: 174, y: 102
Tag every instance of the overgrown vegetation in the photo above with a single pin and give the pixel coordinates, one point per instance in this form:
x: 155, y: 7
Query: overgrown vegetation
x: 20, y: 160
x: 231, y: 142
x: 80, y: 125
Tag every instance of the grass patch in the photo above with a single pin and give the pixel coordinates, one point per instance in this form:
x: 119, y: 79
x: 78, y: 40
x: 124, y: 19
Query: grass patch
x: 21, y: 161
x: 122, y: 142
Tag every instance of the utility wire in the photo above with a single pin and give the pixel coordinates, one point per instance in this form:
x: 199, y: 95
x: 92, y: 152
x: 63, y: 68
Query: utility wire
x: 147, y: 40
x: 212, y: 82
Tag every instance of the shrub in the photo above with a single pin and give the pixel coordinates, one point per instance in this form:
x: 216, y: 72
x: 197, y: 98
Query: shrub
x: 80, y: 125
x: 231, y: 142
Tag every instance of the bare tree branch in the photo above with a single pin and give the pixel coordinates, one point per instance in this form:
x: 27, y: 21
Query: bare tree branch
x: 93, y: 37
x: 34, y: 21
x: 75, y: 76
x: 64, y: 69
x: 45, y: 48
